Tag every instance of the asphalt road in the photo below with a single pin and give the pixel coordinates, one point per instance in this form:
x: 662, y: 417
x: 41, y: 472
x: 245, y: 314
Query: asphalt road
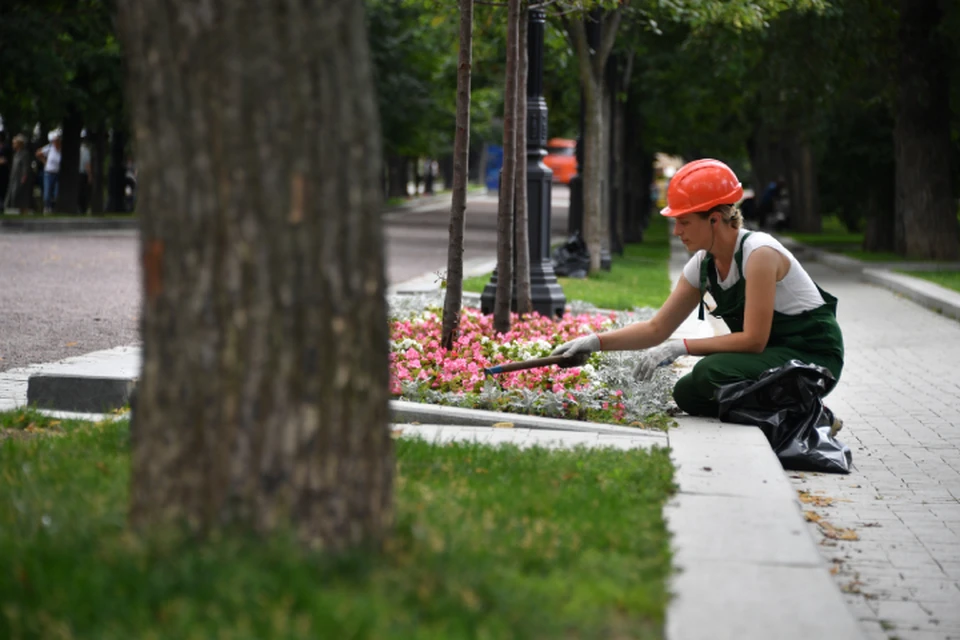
x: 66, y: 294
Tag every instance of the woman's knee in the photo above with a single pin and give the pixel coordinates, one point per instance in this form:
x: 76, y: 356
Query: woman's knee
x: 692, y: 397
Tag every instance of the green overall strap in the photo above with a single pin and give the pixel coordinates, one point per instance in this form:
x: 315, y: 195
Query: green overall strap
x: 705, y: 265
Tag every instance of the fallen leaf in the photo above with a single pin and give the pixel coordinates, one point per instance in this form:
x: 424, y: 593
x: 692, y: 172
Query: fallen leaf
x: 396, y: 433
x: 818, y: 501
x: 70, y: 344
x: 811, y: 516
x: 835, y: 569
x: 503, y: 425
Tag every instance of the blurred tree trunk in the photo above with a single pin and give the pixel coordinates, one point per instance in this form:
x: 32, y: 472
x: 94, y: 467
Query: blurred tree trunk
x: 926, y: 214
x: 396, y: 176
x: 453, y: 298
x: 68, y: 191
x: 116, y: 178
x: 592, y: 65
x: 505, y: 231
x: 263, y: 397
x: 522, y: 240
x: 804, y: 212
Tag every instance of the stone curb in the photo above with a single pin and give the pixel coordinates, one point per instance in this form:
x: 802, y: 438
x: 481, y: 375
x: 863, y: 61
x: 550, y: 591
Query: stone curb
x: 407, y: 412
x: 79, y: 393
x: 926, y: 294
x: 39, y: 225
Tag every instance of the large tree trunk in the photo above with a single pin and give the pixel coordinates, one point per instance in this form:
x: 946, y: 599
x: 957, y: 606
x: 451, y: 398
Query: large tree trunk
x: 504, y: 294
x: 453, y: 299
x: 522, y: 240
x: 592, y: 64
x: 263, y: 397
x: 926, y: 213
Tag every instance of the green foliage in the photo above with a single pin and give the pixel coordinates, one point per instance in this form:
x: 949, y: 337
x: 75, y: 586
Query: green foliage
x: 489, y: 542
x: 57, y: 55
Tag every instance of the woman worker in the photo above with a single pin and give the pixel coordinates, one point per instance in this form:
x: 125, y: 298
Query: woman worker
x: 774, y: 310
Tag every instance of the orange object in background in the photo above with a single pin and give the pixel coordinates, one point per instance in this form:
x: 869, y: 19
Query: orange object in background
x: 561, y: 159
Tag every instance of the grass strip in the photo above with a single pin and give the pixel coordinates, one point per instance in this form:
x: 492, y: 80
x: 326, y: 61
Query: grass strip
x: 489, y: 543
x: 638, y: 278
x: 948, y: 279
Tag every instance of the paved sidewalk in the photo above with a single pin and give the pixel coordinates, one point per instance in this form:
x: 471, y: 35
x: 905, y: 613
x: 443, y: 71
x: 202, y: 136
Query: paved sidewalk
x: 899, y: 397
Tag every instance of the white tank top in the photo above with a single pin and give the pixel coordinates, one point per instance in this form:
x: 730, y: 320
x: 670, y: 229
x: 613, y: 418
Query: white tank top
x: 796, y: 293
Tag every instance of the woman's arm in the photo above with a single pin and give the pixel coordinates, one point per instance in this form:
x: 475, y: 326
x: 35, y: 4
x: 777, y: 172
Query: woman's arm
x: 642, y: 335
x: 761, y: 273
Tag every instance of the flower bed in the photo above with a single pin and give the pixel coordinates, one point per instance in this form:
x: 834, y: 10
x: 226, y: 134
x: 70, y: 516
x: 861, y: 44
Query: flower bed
x: 603, y: 390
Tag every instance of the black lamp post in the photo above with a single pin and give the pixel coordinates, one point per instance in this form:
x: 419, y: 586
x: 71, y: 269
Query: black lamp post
x: 545, y: 291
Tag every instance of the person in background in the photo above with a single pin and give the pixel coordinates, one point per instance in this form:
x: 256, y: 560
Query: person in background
x: 20, y: 185
x: 6, y: 157
x: 85, y: 182
x: 775, y: 311
x: 50, y: 157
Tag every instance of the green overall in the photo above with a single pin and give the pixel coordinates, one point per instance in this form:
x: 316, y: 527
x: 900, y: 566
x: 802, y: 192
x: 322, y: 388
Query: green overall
x: 812, y: 337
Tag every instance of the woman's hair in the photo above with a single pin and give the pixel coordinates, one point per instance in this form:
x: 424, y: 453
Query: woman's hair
x: 729, y: 213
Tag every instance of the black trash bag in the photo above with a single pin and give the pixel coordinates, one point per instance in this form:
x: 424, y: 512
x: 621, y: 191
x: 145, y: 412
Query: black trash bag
x: 787, y: 404
x: 572, y: 259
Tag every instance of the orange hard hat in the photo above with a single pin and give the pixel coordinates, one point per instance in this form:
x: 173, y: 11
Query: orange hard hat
x: 701, y: 185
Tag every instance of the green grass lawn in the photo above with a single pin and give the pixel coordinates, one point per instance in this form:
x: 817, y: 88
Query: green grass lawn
x: 948, y: 279
x: 835, y: 238
x: 489, y: 543
x: 639, y: 278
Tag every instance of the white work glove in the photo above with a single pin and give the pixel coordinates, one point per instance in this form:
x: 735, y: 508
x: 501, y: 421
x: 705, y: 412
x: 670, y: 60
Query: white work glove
x: 579, y: 349
x: 660, y: 356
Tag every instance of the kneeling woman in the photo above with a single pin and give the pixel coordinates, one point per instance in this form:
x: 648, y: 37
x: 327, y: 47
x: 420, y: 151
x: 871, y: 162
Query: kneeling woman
x: 775, y: 311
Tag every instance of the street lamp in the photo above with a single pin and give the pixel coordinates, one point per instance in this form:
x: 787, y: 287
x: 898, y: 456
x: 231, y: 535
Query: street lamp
x: 545, y: 291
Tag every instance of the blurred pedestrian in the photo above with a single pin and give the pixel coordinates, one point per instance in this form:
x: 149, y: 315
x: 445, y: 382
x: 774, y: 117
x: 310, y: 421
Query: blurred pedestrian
x: 20, y: 186
x: 50, y: 156
x: 6, y: 157
x: 86, y: 174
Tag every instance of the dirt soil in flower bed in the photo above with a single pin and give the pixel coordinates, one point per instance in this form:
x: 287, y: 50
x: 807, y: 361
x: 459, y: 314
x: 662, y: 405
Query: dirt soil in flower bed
x: 488, y: 543
x: 603, y: 390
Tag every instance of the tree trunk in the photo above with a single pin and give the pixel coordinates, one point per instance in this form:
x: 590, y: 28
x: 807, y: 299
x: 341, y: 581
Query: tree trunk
x: 879, y: 210
x: 98, y: 153
x: 262, y: 402
x: 522, y: 241
x: 118, y: 171
x: 926, y: 213
x: 453, y: 298
x: 396, y: 177
x: 592, y: 63
x: 68, y: 191
x: 804, y: 212
x: 504, y: 294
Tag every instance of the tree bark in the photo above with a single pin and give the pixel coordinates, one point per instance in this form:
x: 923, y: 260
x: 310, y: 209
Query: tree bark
x: 98, y: 153
x: 504, y: 293
x: 262, y: 402
x: 396, y: 176
x: 68, y: 191
x: 592, y: 65
x: 453, y: 298
x: 926, y: 215
x: 118, y: 170
x: 522, y: 241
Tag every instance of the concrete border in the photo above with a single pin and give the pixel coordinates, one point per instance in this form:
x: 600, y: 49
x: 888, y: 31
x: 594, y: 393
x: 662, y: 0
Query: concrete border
x: 928, y: 294
x: 923, y: 292
x: 59, y: 225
